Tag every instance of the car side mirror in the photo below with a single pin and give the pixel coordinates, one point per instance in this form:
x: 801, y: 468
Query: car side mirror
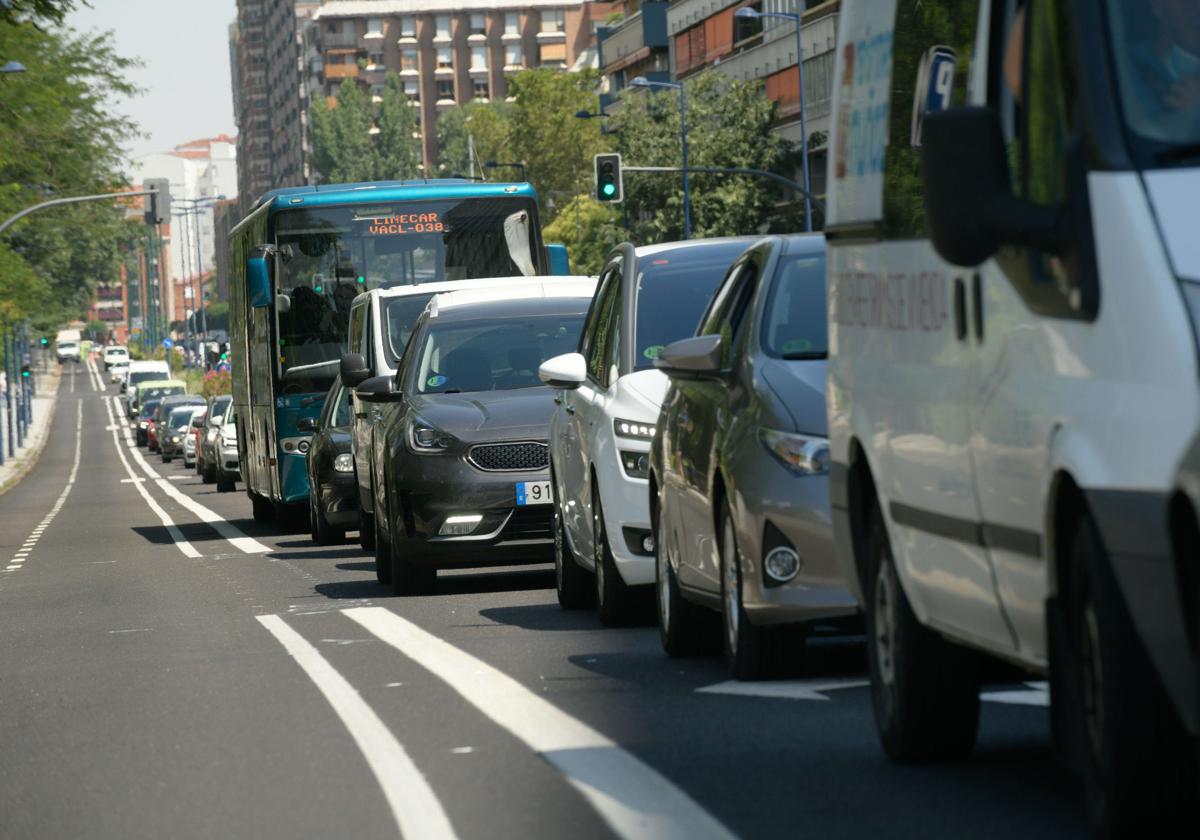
x: 693, y: 358
x: 258, y: 280
x: 565, y: 373
x: 378, y: 389
x: 969, y: 201
x: 353, y: 369
x: 308, y: 425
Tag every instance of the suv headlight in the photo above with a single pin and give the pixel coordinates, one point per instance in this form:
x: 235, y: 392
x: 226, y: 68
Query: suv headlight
x: 344, y: 463
x: 229, y: 442
x: 802, y: 454
x: 633, y: 429
x: 427, y: 439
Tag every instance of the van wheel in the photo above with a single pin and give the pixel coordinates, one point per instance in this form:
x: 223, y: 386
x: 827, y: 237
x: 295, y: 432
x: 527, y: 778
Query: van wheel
x: 925, y: 690
x: 612, y: 594
x: 570, y: 579
x: 261, y: 509
x: 366, y: 532
x: 1139, y: 764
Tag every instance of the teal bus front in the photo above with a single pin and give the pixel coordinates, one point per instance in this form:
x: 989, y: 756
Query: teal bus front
x: 323, y: 246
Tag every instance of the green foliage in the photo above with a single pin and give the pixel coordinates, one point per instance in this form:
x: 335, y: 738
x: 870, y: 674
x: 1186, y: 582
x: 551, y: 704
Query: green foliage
x: 487, y: 122
x: 589, y: 229
x: 96, y: 330
x: 729, y: 125
x: 345, y: 150
x: 44, y: 11
x: 59, y: 137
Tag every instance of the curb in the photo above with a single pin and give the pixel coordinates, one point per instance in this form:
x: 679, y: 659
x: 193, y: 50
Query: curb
x: 30, y: 460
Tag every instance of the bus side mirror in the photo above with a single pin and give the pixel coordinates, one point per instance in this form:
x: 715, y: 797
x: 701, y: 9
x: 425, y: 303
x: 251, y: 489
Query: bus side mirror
x: 258, y: 281
x: 560, y: 259
x: 969, y: 199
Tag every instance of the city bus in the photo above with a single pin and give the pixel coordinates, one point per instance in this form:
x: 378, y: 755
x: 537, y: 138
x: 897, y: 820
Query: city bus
x: 299, y: 259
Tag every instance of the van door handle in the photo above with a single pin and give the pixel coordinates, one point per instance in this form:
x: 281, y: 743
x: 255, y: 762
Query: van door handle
x: 977, y: 303
x: 960, y: 309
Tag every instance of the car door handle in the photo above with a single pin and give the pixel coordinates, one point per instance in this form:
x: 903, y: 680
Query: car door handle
x: 977, y: 303
x: 960, y: 309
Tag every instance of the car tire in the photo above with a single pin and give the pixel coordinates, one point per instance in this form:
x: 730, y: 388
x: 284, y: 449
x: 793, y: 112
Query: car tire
x: 924, y: 690
x: 366, y: 531
x: 408, y: 578
x: 210, y: 475
x: 1138, y: 761
x: 612, y: 594
x: 379, y: 545
x: 261, y: 509
x: 224, y: 483
x: 319, y: 528
x: 571, y: 581
x: 166, y: 459
x: 684, y: 628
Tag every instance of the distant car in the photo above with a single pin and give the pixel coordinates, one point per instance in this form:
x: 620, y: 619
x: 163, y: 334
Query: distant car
x: 209, y: 453
x: 191, y: 439
x: 174, y: 431
x: 167, y: 404
x: 739, y: 466
x: 333, y: 492
x: 114, y: 353
x: 464, y: 479
x: 228, y: 465
x: 608, y: 402
x: 139, y: 372
x: 67, y: 351
x: 145, y: 421
x: 118, y: 370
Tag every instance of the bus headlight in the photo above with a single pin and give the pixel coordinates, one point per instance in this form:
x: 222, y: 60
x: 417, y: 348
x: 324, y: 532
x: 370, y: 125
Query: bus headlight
x: 343, y: 463
x: 801, y: 454
x: 294, y: 445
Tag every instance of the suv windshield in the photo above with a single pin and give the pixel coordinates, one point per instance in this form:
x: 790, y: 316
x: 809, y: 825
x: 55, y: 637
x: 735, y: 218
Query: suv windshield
x: 794, y: 323
x: 160, y: 392
x: 674, y: 288
x: 493, y: 355
x: 331, y: 254
x: 1156, y: 50
x: 401, y: 316
x: 180, y: 417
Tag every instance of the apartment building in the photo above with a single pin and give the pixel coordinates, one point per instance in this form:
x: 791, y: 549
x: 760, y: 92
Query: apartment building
x: 447, y: 52
x: 635, y: 43
x: 706, y: 34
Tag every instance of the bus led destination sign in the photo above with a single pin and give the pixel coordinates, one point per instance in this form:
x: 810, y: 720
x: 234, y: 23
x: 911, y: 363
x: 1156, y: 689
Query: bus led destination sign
x: 400, y: 224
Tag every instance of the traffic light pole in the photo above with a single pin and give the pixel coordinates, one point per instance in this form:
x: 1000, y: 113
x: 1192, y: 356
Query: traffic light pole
x: 732, y: 170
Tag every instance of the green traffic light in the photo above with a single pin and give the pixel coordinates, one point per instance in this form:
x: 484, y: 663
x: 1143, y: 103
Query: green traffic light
x: 25, y: 373
x: 610, y: 189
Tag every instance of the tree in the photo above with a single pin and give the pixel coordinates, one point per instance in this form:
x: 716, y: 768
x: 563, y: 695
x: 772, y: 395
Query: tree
x: 487, y: 123
x: 729, y: 125
x: 343, y: 149
x: 399, y: 151
x: 46, y: 11
x: 589, y: 230
x: 556, y: 147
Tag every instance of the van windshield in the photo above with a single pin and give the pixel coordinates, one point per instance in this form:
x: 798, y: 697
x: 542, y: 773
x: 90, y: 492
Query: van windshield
x: 1156, y: 51
x: 401, y: 317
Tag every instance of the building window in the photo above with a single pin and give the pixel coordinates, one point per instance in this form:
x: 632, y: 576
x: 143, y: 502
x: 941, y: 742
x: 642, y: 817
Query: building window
x: 478, y: 24
x: 445, y: 89
x: 554, y: 20
x: 479, y: 58
x: 408, y: 58
x: 408, y: 26
x: 481, y: 89
x: 374, y: 27
x: 412, y: 89
x: 553, y: 55
x: 376, y: 59
x: 512, y: 55
x: 512, y: 23
x: 443, y: 27
x: 445, y: 58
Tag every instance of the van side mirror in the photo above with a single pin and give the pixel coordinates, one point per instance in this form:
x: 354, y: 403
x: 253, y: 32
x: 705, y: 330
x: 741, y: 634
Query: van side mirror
x: 258, y: 282
x: 560, y: 259
x: 969, y: 200
x: 692, y: 358
x: 353, y: 369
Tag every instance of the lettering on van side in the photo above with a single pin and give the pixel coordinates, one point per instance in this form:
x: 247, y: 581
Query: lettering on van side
x: 894, y: 301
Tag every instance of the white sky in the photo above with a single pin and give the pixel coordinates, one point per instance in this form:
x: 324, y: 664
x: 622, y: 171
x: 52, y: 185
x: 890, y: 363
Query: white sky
x: 185, y: 47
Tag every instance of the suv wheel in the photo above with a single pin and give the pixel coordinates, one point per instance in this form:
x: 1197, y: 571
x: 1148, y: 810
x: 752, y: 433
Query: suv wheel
x: 612, y: 594
x: 570, y: 579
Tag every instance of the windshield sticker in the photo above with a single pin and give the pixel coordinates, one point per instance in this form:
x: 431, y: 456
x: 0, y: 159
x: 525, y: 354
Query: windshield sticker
x: 436, y: 381
x: 652, y: 351
x: 797, y: 345
x: 404, y: 223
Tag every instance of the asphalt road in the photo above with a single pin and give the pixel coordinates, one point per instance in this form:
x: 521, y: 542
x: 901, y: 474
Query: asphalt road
x: 169, y: 668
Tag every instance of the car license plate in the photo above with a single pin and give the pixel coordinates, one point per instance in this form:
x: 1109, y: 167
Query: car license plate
x: 534, y: 493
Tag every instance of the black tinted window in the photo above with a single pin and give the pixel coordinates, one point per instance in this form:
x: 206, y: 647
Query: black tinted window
x: 401, y: 316
x: 674, y: 288
x: 794, y: 323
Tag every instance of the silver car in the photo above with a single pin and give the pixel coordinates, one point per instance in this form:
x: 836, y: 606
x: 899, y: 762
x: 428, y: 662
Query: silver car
x: 208, y: 455
x: 739, y: 466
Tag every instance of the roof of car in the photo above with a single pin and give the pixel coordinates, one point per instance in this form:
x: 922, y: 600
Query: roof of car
x: 514, y: 308
x: 445, y: 286
x: 689, y: 244
x: 181, y: 399
x: 149, y: 364
x: 488, y: 300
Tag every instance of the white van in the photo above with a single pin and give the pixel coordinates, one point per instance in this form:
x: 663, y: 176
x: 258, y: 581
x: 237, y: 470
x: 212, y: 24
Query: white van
x: 1014, y: 288
x: 141, y: 371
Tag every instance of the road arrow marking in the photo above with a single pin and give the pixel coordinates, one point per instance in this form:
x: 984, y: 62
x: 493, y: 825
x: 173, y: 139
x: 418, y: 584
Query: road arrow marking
x: 782, y: 689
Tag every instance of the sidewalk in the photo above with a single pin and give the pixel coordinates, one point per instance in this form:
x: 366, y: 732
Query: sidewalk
x: 25, y: 457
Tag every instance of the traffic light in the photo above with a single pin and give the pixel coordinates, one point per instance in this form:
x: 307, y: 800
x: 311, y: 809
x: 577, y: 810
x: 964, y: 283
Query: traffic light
x: 158, y: 206
x: 25, y: 371
x: 45, y: 341
x: 609, y: 188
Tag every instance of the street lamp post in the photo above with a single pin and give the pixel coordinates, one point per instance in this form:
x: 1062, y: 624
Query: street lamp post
x: 193, y: 210
x: 643, y: 82
x: 747, y: 13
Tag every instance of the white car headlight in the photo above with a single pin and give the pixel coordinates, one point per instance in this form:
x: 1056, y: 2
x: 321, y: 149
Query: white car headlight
x: 344, y: 463
x: 229, y: 442
x: 633, y: 429
x: 802, y: 454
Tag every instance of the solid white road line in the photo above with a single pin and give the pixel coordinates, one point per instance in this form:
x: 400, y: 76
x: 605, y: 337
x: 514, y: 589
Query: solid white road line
x: 94, y: 376
x: 783, y: 689
x: 176, y: 535
x: 633, y: 798
x: 415, y: 806
x: 233, y: 535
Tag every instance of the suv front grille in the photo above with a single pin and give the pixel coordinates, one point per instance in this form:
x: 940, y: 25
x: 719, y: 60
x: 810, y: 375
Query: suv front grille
x: 510, y: 457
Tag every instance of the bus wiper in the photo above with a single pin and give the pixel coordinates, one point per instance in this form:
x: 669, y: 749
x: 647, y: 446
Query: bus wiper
x: 1187, y: 151
x: 805, y: 354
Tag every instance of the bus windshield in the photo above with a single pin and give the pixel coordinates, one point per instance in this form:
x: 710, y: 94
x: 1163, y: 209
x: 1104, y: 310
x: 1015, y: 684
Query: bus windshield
x: 331, y: 254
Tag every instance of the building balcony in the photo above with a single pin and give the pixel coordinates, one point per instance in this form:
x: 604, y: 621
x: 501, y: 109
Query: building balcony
x: 341, y: 71
x: 634, y: 38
